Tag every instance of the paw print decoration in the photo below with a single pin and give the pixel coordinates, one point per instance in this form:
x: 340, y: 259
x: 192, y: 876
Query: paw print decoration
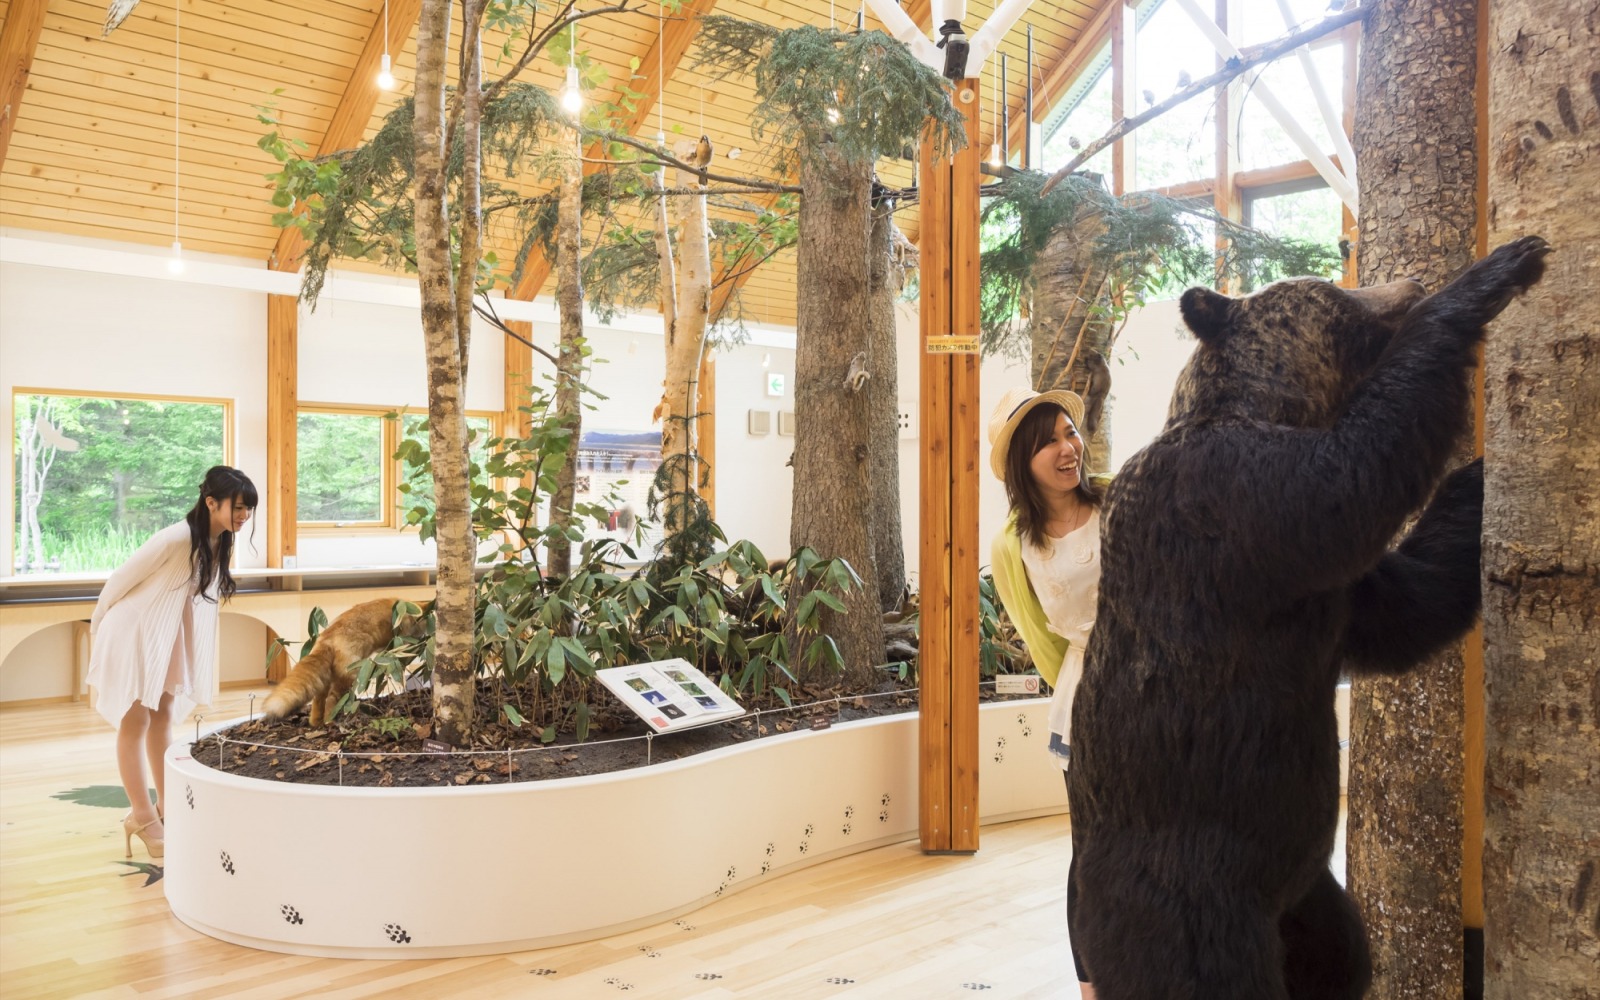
x: 290, y: 914
x: 396, y: 933
x: 227, y: 863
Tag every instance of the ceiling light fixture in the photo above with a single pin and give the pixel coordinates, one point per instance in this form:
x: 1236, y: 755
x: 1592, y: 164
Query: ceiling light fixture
x: 385, y: 66
x: 572, y: 95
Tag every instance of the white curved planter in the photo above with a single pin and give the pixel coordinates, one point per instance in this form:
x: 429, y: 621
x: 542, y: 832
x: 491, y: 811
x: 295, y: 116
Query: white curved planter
x: 438, y: 872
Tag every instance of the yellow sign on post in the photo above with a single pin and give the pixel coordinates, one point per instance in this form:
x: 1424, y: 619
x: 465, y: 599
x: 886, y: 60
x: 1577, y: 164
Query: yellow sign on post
x: 952, y: 343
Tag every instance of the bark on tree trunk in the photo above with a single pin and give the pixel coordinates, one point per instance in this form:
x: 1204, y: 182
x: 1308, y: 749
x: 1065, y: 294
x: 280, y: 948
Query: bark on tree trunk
x: 832, y: 488
x: 883, y: 396
x: 1064, y: 328
x: 1418, y: 214
x: 1542, y: 550
x: 685, y: 342
x: 453, y: 669
x: 569, y: 353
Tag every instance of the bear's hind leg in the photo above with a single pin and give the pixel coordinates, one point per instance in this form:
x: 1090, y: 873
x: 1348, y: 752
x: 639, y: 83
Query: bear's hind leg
x: 1325, y: 946
x: 1142, y: 937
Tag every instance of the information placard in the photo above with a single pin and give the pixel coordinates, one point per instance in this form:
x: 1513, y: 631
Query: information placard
x: 669, y: 694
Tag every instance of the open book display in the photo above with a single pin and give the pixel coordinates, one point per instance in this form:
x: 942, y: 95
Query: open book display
x: 669, y: 694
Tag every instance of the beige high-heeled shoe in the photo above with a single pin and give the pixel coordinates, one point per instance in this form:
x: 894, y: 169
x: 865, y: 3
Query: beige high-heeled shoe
x: 132, y: 828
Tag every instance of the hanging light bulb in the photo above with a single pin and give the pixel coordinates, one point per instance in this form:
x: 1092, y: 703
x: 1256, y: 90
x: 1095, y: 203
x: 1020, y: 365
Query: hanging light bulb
x: 994, y: 155
x: 175, y: 262
x: 385, y: 70
x: 571, y: 95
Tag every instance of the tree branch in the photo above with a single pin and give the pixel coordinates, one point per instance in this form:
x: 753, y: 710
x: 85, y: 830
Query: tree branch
x: 537, y: 42
x: 666, y: 159
x: 1233, y: 68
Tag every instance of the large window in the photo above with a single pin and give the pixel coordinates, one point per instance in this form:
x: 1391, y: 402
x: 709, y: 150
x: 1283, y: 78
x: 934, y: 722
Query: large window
x: 1085, y: 118
x: 342, y: 467
x: 97, y: 475
x: 1262, y: 141
x: 1181, y: 145
x: 348, y: 475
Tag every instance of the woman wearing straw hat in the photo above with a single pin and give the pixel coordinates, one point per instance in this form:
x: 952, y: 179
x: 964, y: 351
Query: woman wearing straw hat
x: 1046, y: 561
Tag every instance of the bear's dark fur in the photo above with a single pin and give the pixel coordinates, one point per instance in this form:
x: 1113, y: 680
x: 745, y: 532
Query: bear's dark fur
x: 1246, y: 563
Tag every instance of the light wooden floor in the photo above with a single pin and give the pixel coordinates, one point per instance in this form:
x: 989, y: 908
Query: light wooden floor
x: 888, y: 923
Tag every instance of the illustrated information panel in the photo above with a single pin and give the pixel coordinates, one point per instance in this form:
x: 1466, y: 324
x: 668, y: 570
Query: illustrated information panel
x: 669, y: 694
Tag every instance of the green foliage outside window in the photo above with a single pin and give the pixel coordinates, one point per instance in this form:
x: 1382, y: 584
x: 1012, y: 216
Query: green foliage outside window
x: 416, y: 475
x: 339, y: 462
x: 97, y: 476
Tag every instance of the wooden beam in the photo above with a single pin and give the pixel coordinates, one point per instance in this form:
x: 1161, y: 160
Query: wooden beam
x: 353, y: 113
x: 658, y: 66
x: 18, y: 41
x: 283, y: 380
x: 948, y: 474
x: 1124, y: 28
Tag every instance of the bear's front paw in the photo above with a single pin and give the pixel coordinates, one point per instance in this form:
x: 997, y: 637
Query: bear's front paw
x: 1512, y: 269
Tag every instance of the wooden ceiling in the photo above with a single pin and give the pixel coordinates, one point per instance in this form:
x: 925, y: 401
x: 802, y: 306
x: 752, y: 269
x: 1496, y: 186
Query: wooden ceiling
x: 87, y: 146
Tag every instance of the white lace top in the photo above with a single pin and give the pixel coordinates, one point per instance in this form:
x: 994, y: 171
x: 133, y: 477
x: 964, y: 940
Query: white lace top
x: 1065, y: 577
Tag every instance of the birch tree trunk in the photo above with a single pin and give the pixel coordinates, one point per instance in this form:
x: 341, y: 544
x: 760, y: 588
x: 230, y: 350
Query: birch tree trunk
x: 1419, y: 175
x: 1068, y: 339
x: 832, y: 488
x: 569, y: 353
x: 684, y: 344
x: 453, y: 669
x: 1542, y: 531
x: 883, y: 396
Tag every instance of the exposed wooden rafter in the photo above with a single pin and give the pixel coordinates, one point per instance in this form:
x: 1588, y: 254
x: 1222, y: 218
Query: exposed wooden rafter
x: 353, y: 113
x: 657, y: 68
x: 18, y: 40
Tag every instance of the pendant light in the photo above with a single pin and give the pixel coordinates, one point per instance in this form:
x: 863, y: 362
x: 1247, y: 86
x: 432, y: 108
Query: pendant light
x: 572, y: 94
x: 385, y: 66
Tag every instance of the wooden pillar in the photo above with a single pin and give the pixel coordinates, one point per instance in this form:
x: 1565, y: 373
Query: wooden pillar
x: 82, y: 649
x: 1225, y: 194
x: 948, y: 481
x: 705, y: 429
x: 1124, y: 92
x: 519, y: 377
x: 283, y: 395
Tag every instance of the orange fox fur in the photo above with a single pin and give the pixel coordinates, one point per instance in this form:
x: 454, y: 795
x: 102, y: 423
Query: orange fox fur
x: 322, y: 677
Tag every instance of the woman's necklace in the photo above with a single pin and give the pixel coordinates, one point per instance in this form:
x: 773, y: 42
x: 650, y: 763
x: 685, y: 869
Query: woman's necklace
x: 1058, y: 526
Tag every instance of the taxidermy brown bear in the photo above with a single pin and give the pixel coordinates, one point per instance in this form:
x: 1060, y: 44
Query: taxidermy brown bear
x: 1247, y: 563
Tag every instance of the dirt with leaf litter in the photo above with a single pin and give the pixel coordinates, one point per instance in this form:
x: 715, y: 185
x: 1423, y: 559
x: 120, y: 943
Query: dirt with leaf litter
x: 388, y: 750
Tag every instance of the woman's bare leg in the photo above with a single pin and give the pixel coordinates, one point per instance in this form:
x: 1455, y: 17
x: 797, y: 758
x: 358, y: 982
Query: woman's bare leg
x: 156, y: 741
x: 132, y: 736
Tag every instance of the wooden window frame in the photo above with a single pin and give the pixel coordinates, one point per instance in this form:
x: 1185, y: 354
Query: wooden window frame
x: 388, y: 440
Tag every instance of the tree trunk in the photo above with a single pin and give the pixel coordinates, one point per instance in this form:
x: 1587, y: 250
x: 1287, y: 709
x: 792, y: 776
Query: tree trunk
x: 569, y: 354
x: 453, y: 668
x: 684, y: 345
x: 832, y: 488
x: 1418, y: 215
x: 1542, y: 536
x: 883, y: 397
x: 1068, y: 339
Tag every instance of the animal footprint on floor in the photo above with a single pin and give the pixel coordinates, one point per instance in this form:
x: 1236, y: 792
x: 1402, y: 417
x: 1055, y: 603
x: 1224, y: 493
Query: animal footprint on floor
x: 649, y: 952
x: 683, y: 925
x: 619, y: 984
x: 541, y: 972
x: 708, y: 975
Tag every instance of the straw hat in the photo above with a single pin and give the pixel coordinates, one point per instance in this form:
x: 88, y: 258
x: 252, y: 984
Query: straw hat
x: 1013, y: 406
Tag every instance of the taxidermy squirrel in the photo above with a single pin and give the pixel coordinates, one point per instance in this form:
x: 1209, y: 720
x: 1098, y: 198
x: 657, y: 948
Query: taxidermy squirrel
x: 322, y: 677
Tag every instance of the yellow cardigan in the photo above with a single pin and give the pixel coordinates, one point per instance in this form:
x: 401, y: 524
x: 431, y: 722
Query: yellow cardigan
x: 1047, y: 649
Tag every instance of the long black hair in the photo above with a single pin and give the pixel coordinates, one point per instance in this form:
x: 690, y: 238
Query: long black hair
x: 221, y: 484
x: 1033, y: 433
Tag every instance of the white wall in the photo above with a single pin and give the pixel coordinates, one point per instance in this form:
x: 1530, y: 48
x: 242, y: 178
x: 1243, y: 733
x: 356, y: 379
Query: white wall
x: 62, y: 329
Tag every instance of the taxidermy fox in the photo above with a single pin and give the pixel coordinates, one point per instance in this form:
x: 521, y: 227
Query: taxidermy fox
x: 322, y: 677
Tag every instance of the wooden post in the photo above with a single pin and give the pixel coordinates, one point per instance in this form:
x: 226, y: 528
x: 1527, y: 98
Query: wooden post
x: 948, y: 474
x: 1225, y: 192
x: 283, y: 398
x: 1124, y: 90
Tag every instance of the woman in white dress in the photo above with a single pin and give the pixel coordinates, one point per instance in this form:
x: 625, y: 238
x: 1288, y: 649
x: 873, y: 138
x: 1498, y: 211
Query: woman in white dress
x: 1046, y: 561
x: 155, y: 637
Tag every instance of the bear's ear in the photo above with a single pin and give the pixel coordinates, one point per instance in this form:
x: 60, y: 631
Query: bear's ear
x: 1206, y: 313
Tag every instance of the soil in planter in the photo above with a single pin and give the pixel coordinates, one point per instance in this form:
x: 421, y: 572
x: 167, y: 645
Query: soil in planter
x: 386, y: 750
